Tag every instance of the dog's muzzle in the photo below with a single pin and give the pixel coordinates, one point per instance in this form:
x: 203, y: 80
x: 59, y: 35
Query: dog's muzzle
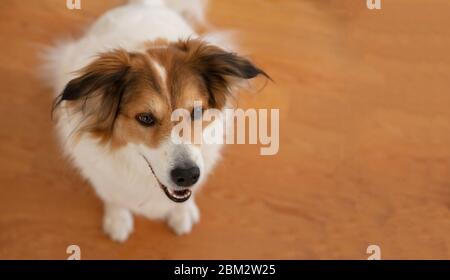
x: 183, y: 177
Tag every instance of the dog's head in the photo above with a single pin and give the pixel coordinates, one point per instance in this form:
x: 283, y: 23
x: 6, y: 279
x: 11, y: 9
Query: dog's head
x: 128, y: 98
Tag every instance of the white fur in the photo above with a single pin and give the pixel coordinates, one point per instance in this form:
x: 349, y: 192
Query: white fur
x: 122, y: 179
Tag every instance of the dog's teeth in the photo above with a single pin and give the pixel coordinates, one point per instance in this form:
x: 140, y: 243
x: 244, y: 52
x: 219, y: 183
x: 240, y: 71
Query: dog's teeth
x: 182, y: 194
x: 175, y: 194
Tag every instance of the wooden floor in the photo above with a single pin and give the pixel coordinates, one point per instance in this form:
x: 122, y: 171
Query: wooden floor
x: 365, y: 139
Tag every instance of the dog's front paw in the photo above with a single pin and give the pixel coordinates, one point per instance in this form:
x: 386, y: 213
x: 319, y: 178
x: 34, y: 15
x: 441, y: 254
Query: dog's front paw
x: 182, y: 219
x: 117, y: 223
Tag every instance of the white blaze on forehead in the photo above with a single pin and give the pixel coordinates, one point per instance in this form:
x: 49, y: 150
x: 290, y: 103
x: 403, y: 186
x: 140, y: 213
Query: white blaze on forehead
x: 161, y: 71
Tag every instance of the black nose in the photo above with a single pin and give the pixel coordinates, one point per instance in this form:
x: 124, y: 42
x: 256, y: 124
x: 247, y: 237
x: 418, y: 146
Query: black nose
x: 185, y: 176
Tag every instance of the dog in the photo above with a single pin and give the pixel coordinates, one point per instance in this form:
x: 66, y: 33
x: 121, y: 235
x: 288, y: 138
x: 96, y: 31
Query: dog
x: 116, y: 88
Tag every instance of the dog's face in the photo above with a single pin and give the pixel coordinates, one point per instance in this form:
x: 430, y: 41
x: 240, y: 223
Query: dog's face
x: 128, y: 98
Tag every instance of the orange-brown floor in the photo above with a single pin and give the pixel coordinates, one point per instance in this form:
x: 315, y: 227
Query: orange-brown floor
x: 365, y: 139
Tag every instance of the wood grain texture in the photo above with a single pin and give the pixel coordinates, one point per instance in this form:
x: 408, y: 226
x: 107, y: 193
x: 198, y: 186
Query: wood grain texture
x: 365, y: 139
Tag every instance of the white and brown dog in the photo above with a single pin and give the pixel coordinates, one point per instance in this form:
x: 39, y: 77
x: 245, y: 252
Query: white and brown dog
x: 117, y: 87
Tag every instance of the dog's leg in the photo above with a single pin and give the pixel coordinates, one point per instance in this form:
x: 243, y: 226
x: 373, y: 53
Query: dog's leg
x: 117, y: 222
x: 183, y: 217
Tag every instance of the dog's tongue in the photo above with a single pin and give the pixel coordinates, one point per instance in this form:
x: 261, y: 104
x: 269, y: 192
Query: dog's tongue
x: 181, y: 193
x: 178, y: 195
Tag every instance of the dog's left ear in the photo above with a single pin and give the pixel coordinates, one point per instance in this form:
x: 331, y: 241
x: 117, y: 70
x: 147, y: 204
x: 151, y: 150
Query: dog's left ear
x: 99, y: 89
x: 220, y: 70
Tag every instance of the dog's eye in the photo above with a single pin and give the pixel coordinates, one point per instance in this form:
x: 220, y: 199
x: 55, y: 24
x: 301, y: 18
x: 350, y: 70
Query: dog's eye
x: 196, y: 113
x: 145, y: 119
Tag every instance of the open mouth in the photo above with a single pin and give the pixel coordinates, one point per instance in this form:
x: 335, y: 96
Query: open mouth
x: 179, y: 195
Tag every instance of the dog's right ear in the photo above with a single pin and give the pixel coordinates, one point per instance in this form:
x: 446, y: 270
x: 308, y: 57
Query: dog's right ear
x: 99, y: 89
x: 219, y: 69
